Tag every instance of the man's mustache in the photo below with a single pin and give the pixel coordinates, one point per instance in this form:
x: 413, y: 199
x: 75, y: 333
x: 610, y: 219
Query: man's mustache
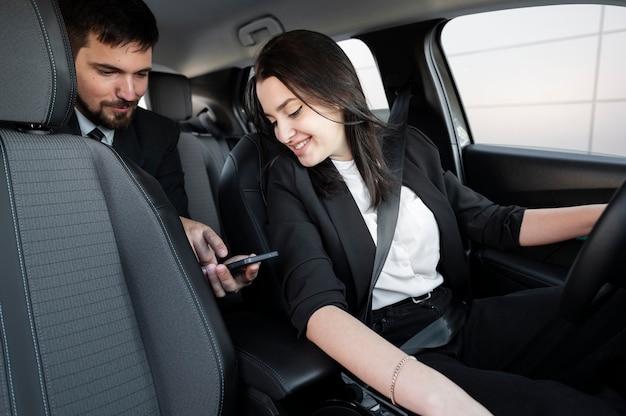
x: 121, y: 103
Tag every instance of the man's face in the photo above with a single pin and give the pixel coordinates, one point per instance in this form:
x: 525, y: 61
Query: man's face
x: 111, y: 80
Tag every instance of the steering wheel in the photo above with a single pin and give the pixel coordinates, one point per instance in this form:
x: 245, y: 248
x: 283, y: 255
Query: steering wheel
x: 601, y: 260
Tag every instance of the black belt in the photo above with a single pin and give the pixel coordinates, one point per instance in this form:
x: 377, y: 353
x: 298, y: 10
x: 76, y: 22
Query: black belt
x: 415, y: 299
x: 420, y: 299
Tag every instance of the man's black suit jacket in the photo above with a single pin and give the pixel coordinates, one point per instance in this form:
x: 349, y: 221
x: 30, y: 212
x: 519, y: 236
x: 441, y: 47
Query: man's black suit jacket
x: 150, y: 142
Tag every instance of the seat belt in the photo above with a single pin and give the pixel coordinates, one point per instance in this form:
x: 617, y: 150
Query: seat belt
x: 441, y: 331
x: 387, y: 212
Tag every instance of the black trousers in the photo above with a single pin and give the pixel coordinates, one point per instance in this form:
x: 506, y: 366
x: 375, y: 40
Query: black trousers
x: 517, y: 356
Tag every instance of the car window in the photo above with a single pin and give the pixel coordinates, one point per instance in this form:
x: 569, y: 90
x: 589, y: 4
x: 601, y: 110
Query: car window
x: 547, y: 77
x: 367, y: 70
x: 369, y: 76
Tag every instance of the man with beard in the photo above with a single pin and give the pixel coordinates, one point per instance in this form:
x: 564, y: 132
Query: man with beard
x: 112, y: 44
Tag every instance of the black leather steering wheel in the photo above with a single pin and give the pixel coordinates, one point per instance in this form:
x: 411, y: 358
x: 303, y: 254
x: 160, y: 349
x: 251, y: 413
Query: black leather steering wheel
x: 601, y: 260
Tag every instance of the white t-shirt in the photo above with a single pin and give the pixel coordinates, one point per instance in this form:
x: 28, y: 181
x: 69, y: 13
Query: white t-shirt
x: 411, y: 266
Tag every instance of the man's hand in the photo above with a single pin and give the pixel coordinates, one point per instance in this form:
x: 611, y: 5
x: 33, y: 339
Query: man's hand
x: 209, y: 247
x: 223, y: 283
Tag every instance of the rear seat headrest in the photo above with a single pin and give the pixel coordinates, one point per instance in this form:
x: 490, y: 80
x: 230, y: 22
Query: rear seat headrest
x: 170, y: 95
x: 37, y: 69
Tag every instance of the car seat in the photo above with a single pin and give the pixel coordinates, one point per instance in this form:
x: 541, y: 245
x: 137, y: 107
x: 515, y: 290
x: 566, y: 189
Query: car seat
x: 262, y: 342
x: 103, y: 308
x: 243, y: 208
x: 202, y: 154
x: 243, y: 211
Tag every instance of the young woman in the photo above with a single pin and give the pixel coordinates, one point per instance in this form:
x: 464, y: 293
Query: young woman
x: 323, y: 196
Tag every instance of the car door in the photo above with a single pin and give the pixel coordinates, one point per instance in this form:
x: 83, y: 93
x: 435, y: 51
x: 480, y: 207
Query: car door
x: 504, y: 127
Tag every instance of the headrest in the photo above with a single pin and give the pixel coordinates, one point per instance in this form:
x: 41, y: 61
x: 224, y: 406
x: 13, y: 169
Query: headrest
x: 170, y: 95
x: 37, y: 75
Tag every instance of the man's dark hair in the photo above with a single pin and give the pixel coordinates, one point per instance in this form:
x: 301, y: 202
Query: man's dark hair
x: 113, y: 22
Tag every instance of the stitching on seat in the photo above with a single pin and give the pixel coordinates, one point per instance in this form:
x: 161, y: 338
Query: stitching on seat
x: 51, y: 57
x: 8, y: 361
x: 24, y: 283
x: 260, y: 364
x: 196, y: 301
x: 4, y: 339
x: 68, y: 52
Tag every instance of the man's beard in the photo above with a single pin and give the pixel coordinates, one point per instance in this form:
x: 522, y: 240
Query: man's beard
x: 113, y: 122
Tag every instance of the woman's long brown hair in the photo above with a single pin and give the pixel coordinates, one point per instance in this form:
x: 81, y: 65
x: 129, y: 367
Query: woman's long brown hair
x: 317, y: 71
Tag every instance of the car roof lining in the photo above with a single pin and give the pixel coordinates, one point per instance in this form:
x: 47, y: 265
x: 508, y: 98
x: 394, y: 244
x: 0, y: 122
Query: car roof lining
x: 211, y: 28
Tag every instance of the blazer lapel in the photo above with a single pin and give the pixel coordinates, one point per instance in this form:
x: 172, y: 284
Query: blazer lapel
x: 359, y: 247
x: 72, y: 126
x: 452, y: 264
x: 126, y: 143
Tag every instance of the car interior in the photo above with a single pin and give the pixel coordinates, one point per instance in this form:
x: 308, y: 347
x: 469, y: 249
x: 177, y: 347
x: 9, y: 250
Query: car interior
x: 103, y: 306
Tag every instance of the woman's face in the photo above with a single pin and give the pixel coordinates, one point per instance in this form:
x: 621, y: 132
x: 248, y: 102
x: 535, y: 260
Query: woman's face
x: 312, y: 133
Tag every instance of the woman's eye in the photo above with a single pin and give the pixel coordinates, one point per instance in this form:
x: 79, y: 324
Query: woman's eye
x: 295, y: 113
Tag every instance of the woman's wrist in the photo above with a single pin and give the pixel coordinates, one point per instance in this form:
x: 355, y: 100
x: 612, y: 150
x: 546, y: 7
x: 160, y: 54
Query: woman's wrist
x: 394, y: 378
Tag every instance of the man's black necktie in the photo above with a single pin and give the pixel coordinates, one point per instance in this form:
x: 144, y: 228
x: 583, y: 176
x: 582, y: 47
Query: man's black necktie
x: 96, y: 134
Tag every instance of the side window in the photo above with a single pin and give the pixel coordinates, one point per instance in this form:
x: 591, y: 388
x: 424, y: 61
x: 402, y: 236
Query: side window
x: 548, y: 77
x: 368, y: 73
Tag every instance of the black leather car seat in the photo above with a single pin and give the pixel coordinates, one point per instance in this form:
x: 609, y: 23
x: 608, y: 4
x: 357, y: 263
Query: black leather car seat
x: 274, y: 364
x: 244, y: 216
x: 103, y: 308
x: 243, y: 209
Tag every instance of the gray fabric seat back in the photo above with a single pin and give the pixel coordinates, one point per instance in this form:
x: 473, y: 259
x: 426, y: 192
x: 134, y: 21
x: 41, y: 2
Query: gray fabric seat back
x: 199, y: 166
x: 103, y: 308
x: 202, y: 155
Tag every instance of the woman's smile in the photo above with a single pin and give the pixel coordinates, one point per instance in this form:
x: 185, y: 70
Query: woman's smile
x: 301, y: 144
x: 312, y: 132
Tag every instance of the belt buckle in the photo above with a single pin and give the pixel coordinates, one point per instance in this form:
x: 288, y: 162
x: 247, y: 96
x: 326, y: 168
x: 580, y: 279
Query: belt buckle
x: 422, y: 298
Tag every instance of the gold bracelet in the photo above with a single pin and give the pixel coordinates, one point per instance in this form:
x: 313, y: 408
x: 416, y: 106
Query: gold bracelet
x: 396, y: 373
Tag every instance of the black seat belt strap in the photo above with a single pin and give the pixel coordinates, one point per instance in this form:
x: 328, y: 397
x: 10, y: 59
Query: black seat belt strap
x: 388, y: 210
x: 442, y: 330
x: 439, y: 332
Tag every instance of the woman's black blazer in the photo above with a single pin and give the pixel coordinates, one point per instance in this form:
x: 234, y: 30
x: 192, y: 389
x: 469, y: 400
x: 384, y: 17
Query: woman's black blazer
x: 327, y: 253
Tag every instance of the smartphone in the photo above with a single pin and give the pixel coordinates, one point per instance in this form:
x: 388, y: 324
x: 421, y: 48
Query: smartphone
x: 239, y: 265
